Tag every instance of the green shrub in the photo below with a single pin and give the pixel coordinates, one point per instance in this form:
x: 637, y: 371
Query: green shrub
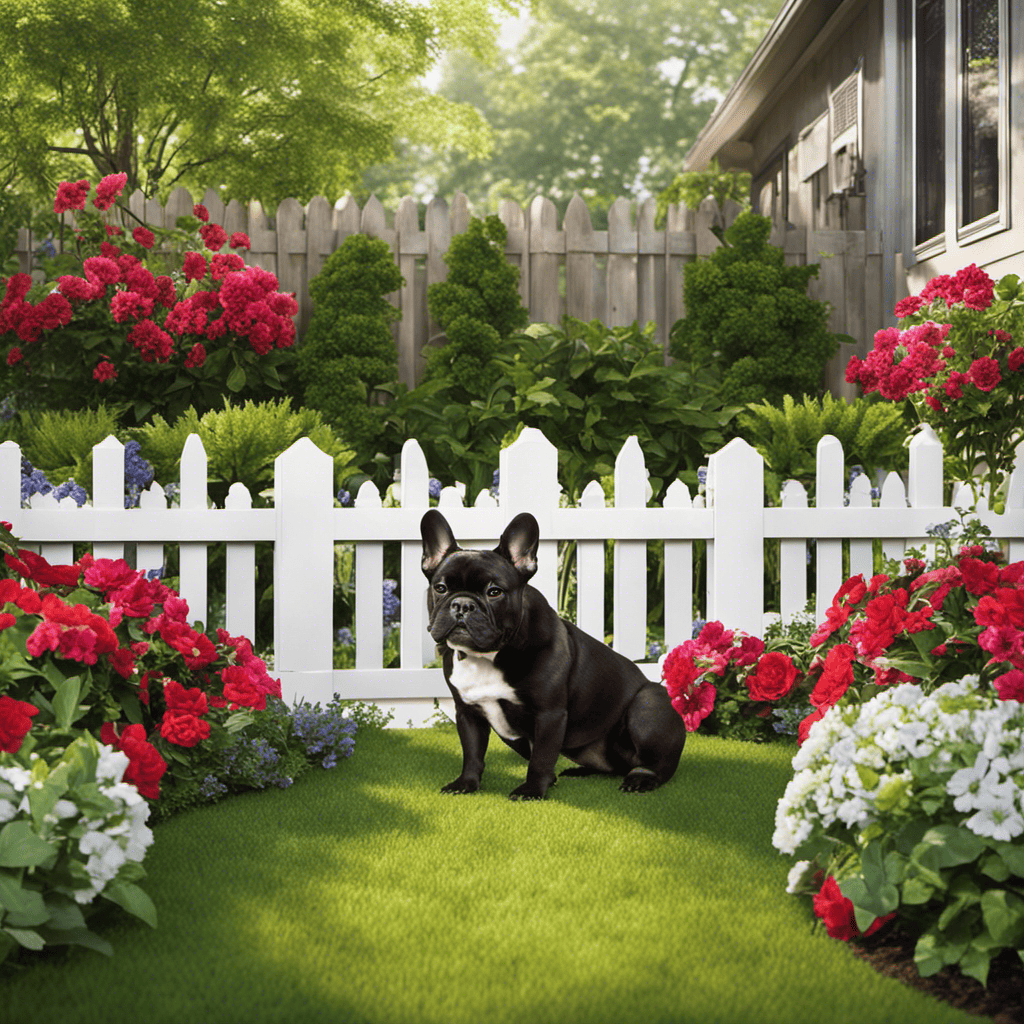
x: 872, y: 434
x: 60, y: 443
x: 349, y: 352
x: 241, y: 444
x: 692, y: 187
x: 748, y: 314
x: 477, y: 306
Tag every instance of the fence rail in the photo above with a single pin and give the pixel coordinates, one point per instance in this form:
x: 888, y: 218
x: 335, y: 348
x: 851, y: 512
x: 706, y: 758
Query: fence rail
x: 728, y: 533
x: 631, y: 271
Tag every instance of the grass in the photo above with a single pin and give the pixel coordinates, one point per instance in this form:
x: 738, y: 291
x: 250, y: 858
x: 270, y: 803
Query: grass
x: 363, y: 894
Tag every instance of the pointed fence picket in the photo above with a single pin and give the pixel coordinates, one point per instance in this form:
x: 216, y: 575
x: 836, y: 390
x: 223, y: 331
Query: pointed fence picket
x: 305, y: 525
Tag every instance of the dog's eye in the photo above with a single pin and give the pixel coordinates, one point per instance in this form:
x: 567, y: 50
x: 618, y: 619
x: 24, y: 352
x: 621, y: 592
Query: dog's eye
x: 441, y: 588
x: 494, y: 591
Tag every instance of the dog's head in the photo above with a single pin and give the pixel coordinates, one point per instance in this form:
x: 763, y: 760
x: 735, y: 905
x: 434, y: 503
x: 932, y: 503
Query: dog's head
x: 475, y: 598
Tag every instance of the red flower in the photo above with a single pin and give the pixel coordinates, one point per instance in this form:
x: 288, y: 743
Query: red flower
x: 183, y: 729
x: 908, y: 306
x: 108, y: 190
x: 1002, y: 608
x: 979, y: 577
x: 101, y: 270
x: 126, y: 306
x: 108, y: 574
x: 1009, y: 686
x: 104, y: 371
x: 196, y: 648
x: 984, y: 373
x: 773, y: 678
x: 836, y: 677
x: 693, y: 707
x: 749, y: 650
x: 240, y: 240
x: 144, y: 237
x: 154, y: 344
x: 194, y: 266
x: 15, y: 356
x: 196, y: 357
x: 837, y: 912
x: 213, y: 236
x: 805, y: 726
x: 199, y: 211
x: 71, y: 195
x: 15, y: 722
x: 716, y: 636
x: 31, y: 566
x: 145, y: 765
x: 1016, y: 359
x: 191, y: 701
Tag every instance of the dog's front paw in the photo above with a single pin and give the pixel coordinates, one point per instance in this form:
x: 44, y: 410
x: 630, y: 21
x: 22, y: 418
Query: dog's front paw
x: 528, y: 791
x: 462, y: 785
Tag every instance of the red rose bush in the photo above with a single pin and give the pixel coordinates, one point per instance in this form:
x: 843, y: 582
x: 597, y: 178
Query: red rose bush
x: 158, y: 313
x: 958, y: 358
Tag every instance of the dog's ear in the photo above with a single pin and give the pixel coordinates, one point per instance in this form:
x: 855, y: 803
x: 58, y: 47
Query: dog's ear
x: 519, y: 544
x: 438, y: 541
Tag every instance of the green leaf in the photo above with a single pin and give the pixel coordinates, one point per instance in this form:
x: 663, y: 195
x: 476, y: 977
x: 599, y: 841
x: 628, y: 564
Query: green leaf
x: 20, y: 847
x: 868, y: 778
x: 953, y: 845
x: 18, y: 900
x: 1003, y: 913
x: 236, y: 379
x: 975, y: 963
x: 25, y: 937
x: 131, y: 898
x: 64, y: 912
x: 65, y: 701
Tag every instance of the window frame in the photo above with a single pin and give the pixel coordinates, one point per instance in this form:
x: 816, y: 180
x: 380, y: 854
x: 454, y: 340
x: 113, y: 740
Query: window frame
x: 936, y: 245
x: 999, y: 220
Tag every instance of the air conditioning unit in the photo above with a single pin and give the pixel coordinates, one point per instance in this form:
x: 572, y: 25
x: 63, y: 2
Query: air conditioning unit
x: 845, y: 110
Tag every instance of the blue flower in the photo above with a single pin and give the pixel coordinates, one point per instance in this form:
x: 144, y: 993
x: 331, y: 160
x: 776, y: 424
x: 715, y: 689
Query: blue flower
x: 434, y: 488
x: 391, y: 602
x: 702, y: 476
x: 138, y: 474
x: 655, y: 649
x: 212, y: 787
x: 344, y: 637
x: 70, y: 488
x: 155, y: 574
x: 494, y: 483
x: 7, y: 409
x: 695, y: 629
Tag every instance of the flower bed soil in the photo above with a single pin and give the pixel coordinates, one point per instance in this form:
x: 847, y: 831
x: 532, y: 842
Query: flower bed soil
x: 891, y: 952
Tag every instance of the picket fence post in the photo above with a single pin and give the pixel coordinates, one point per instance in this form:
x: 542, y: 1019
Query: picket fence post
x: 192, y: 555
x: 416, y: 644
x: 828, y: 493
x: 304, y: 570
x: 629, y: 616
x: 108, y: 488
x: 369, y: 621
x: 736, y: 586
x: 528, y: 482
x: 240, y: 573
x: 678, y: 574
x: 590, y: 561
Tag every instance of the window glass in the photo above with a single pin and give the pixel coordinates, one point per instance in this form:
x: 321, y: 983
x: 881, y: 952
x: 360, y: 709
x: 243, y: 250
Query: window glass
x: 980, y: 115
x: 930, y: 117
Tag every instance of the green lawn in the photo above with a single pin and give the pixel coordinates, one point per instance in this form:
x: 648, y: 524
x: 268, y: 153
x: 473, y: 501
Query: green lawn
x: 363, y: 894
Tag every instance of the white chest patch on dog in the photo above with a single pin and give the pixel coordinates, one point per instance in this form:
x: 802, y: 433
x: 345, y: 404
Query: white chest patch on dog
x: 483, y: 685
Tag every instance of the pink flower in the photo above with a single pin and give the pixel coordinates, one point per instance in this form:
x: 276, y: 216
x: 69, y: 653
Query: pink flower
x: 200, y: 212
x: 104, y: 371
x: 1016, y: 359
x: 76, y: 289
x: 984, y: 373
x: 71, y: 195
x: 195, y: 266
x: 125, y: 306
x: 154, y: 344
x: 213, y: 236
x: 101, y: 270
x: 109, y: 189
x: 144, y: 237
x: 1009, y: 686
x: 908, y: 306
x: 240, y: 240
x: 196, y: 357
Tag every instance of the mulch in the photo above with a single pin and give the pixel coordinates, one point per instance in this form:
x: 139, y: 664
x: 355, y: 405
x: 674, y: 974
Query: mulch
x: 891, y: 952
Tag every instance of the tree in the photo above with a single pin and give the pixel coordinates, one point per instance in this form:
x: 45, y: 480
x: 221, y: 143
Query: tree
x: 600, y: 97
x: 267, y: 98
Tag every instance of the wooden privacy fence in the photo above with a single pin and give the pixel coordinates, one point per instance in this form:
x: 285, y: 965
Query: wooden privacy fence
x: 304, y: 526
x: 631, y: 271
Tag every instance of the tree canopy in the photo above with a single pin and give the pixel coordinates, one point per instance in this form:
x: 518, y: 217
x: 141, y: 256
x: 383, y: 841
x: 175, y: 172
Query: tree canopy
x: 267, y: 98
x: 600, y: 97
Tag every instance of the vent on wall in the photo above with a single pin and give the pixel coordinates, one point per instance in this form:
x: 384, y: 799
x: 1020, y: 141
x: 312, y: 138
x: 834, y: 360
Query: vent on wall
x: 845, y: 106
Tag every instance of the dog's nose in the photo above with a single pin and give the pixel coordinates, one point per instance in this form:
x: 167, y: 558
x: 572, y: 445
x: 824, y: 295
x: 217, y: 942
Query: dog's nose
x: 460, y: 607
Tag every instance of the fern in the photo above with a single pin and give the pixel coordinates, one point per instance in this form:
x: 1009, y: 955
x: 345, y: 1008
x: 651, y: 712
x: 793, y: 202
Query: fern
x: 241, y: 444
x: 61, y: 443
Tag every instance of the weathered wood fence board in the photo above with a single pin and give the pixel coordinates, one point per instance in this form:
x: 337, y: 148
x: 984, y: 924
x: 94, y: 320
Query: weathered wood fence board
x: 631, y: 271
x: 724, y: 532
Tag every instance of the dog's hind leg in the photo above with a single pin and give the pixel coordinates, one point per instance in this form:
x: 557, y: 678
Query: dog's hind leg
x: 657, y: 735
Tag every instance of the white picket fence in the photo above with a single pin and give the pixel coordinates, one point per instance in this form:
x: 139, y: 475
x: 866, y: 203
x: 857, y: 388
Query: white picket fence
x: 305, y: 524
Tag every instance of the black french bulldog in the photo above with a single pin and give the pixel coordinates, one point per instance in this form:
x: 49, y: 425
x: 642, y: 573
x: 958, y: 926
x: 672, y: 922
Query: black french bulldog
x: 544, y: 686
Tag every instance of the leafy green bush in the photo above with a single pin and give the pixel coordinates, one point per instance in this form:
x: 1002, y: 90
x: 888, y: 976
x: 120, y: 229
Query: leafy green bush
x: 588, y: 387
x: 477, y: 306
x: 348, y: 352
x: 60, y: 443
x: 241, y: 444
x: 748, y: 314
x: 872, y: 435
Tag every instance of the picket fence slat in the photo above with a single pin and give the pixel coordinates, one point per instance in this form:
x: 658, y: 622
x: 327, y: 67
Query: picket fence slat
x: 305, y: 525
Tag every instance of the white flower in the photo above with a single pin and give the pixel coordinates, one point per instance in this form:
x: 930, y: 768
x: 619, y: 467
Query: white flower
x: 17, y: 776
x: 65, y: 809
x: 997, y: 822
x: 112, y: 765
x: 105, y: 856
x: 7, y: 810
x: 965, y: 783
x: 796, y: 875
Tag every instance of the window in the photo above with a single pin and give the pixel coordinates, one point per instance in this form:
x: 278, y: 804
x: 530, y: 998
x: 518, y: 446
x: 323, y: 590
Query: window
x: 982, y: 117
x: 844, y: 107
x: 768, y: 193
x: 929, y: 119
